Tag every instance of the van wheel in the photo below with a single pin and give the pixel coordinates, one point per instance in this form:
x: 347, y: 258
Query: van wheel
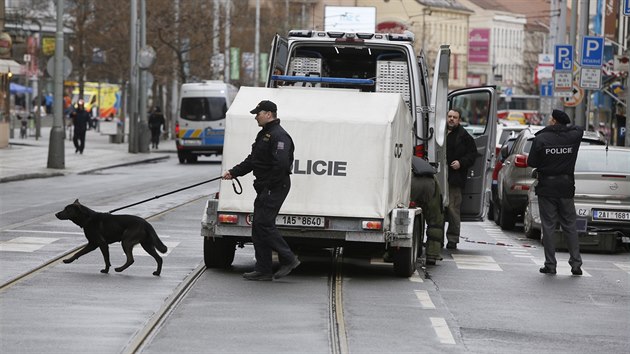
x: 405, y: 257
x: 191, y: 158
x: 507, y: 221
x: 218, y: 252
x: 528, y: 221
x: 181, y: 157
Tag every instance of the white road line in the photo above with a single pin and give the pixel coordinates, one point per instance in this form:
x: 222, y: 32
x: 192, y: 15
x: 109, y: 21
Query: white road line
x: 425, y: 299
x: 415, y: 277
x: 45, y: 232
x: 476, y: 262
x: 25, y: 244
x: 623, y: 266
x: 442, y: 330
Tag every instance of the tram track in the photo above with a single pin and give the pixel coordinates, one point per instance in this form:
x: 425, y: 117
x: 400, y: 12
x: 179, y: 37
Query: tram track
x: 57, y: 259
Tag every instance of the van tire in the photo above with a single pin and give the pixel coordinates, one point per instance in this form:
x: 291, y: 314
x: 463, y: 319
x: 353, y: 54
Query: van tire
x: 218, y: 252
x: 181, y: 157
x: 405, y: 257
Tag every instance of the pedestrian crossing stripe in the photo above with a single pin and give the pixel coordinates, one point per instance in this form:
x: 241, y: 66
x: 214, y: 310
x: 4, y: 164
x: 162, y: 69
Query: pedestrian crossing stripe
x: 25, y: 244
x: 473, y: 262
x: 623, y: 266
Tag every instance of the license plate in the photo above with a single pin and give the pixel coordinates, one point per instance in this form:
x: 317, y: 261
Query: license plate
x: 191, y: 142
x: 611, y: 215
x: 300, y: 221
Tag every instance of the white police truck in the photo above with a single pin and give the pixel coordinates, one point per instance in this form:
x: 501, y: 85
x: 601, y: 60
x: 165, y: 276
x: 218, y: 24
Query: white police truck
x: 358, y: 107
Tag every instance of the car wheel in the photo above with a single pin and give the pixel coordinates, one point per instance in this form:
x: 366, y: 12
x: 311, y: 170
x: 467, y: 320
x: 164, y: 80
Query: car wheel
x: 491, y: 211
x: 528, y: 222
x: 497, y: 213
x: 218, y: 252
x: 507, y: 219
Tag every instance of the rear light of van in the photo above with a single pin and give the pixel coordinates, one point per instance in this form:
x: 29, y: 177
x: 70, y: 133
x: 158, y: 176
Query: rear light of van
x: 227, y: 218
x: 520, y: 160
x: 419, y: 151
x: 177, y: 129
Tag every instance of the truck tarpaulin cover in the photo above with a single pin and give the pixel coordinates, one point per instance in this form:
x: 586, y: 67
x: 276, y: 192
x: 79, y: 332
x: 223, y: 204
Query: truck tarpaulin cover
x: 352, y: 150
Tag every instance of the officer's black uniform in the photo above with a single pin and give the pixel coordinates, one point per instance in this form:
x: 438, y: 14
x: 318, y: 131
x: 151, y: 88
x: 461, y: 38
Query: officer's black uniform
x: 553, y: 153
x: 270, y: 160
x: 156, y: 121
x: 80, y: 120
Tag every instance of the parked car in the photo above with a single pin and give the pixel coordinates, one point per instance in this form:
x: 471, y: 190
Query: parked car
x: 602, y: 199
x: 514, y: 178
x: 495, y: 175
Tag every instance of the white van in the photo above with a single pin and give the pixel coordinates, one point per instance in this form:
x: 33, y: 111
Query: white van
x: 200, y: 125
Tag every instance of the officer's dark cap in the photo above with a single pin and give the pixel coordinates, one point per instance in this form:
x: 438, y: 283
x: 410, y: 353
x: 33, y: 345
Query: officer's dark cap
x: 266, y: 106
x: 560, y: 117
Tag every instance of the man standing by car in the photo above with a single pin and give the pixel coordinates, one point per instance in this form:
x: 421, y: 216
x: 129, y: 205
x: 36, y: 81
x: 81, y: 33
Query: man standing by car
x: 270, y: 160
x: 461, y: 153
x: 553, y: 153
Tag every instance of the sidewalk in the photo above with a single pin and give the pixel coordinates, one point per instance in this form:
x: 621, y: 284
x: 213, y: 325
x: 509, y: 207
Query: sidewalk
x: 28, y: 158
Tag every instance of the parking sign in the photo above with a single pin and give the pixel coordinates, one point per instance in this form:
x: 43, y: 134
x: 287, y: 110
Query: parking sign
x: 592, y: 53
x: 563, y: 58
x: 626, y: 7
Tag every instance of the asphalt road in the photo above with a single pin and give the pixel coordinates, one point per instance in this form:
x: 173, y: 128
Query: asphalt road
x: 482, y: 298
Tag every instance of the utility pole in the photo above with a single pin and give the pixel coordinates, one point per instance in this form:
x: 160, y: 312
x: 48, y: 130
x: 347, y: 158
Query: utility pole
x: 143, y: 132
x: 56, y: 156
x: 133, y: 78
x: 572, y: 35
x: 257, y: 44
x: 580, y: 110
x: 175, y: 83
x: 228, y: 24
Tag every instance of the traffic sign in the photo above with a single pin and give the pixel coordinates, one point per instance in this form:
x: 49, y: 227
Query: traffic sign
x: 575, y: 98
x: 546, y: 89
x: 563, y: 58
x: 626, y: 7
x: 563, y: 80
x: 591, y: 78
x: 592, y: 53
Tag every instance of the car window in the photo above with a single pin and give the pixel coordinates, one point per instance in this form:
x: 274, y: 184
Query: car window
x: 203, y: 108
x: 613, y: 161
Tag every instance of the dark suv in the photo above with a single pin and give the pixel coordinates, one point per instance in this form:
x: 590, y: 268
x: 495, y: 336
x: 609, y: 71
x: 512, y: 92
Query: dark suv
x: 514, y: 179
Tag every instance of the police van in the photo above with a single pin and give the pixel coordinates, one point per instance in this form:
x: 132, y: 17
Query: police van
x: 200, y: 125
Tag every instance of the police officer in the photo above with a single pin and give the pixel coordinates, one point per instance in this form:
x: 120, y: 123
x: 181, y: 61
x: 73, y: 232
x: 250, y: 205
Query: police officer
x: 270, y: 160
x: 425, y: 192
x: 80, y: 119
x: 553, y: 153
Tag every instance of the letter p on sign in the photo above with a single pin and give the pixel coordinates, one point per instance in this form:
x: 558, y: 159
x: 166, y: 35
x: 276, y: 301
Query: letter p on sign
x: 592, y: 53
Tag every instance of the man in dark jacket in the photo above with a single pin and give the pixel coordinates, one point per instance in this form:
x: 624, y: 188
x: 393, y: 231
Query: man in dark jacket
x: 80, y: 119
x: 270, y: 160
x: 461, y: 153
x: 156, y: 122
x: 553, y: 153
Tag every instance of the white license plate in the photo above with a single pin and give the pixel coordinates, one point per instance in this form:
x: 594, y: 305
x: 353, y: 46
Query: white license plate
x: 611, y: 215
x: 300, y: 221
x: 191, y: 142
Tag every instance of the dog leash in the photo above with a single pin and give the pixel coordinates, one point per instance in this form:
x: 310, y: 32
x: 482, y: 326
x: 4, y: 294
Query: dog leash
x: 181, y: 189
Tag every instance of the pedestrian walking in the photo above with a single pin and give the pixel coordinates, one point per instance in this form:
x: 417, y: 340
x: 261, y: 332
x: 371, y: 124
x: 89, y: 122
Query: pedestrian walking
x: 270, y: 160
x: 461, y: 153
x: 80, y: 120
x: 553, y: 154
x: 426, y: 193
x: 156, y: 122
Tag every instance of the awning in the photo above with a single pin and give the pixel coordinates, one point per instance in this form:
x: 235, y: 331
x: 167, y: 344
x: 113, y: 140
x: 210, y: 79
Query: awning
x: 7, y: 65
x: 15, y: 88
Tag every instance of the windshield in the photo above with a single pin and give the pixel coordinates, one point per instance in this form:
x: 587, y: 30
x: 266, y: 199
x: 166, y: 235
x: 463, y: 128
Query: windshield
x: 602, y: 161
x: 203, y: 108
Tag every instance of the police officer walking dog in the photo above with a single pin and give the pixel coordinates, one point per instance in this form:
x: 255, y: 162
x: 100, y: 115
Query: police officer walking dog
x: 425, y: 191
x: 270, y: 160
x: 553, y: 153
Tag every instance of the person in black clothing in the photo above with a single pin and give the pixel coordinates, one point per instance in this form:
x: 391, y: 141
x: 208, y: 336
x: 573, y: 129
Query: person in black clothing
x: 461, y: 153
x: 553, y: 154
x: 80, y: 120
x: 270, y: 160
x: 156, y: 122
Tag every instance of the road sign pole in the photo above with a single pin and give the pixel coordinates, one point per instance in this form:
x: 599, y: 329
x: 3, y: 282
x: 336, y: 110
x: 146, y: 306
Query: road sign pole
x: 580, y: 116
x: 56, y: 152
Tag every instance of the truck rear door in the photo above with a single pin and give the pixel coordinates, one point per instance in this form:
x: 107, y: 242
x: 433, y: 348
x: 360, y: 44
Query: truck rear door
x: 479, y: 118
x: 278, y: 60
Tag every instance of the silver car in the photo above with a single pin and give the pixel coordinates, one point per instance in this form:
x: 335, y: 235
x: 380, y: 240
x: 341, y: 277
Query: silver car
x: 514, y: 178
x: 602, y: 200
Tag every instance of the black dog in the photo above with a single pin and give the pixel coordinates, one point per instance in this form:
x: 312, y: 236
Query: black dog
x: 102, y: 229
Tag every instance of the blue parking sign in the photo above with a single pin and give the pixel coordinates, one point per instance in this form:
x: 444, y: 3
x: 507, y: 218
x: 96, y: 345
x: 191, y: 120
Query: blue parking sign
x: 626, y: 7
x: 546, y: 89
x: 592, y: 53
x: 563, y: 57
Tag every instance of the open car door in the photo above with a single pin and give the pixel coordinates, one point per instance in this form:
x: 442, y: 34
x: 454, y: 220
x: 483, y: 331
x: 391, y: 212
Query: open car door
x: 479, y: 109
x: 278, y: 59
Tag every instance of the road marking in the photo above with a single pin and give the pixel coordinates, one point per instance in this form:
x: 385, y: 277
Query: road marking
x: 25, y: 244
x: 623, y: 266
x: 425, y: 299
x: 464, y: 261
x: 45, y: 232
x: 416, y: 278
x: 442, y: 330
